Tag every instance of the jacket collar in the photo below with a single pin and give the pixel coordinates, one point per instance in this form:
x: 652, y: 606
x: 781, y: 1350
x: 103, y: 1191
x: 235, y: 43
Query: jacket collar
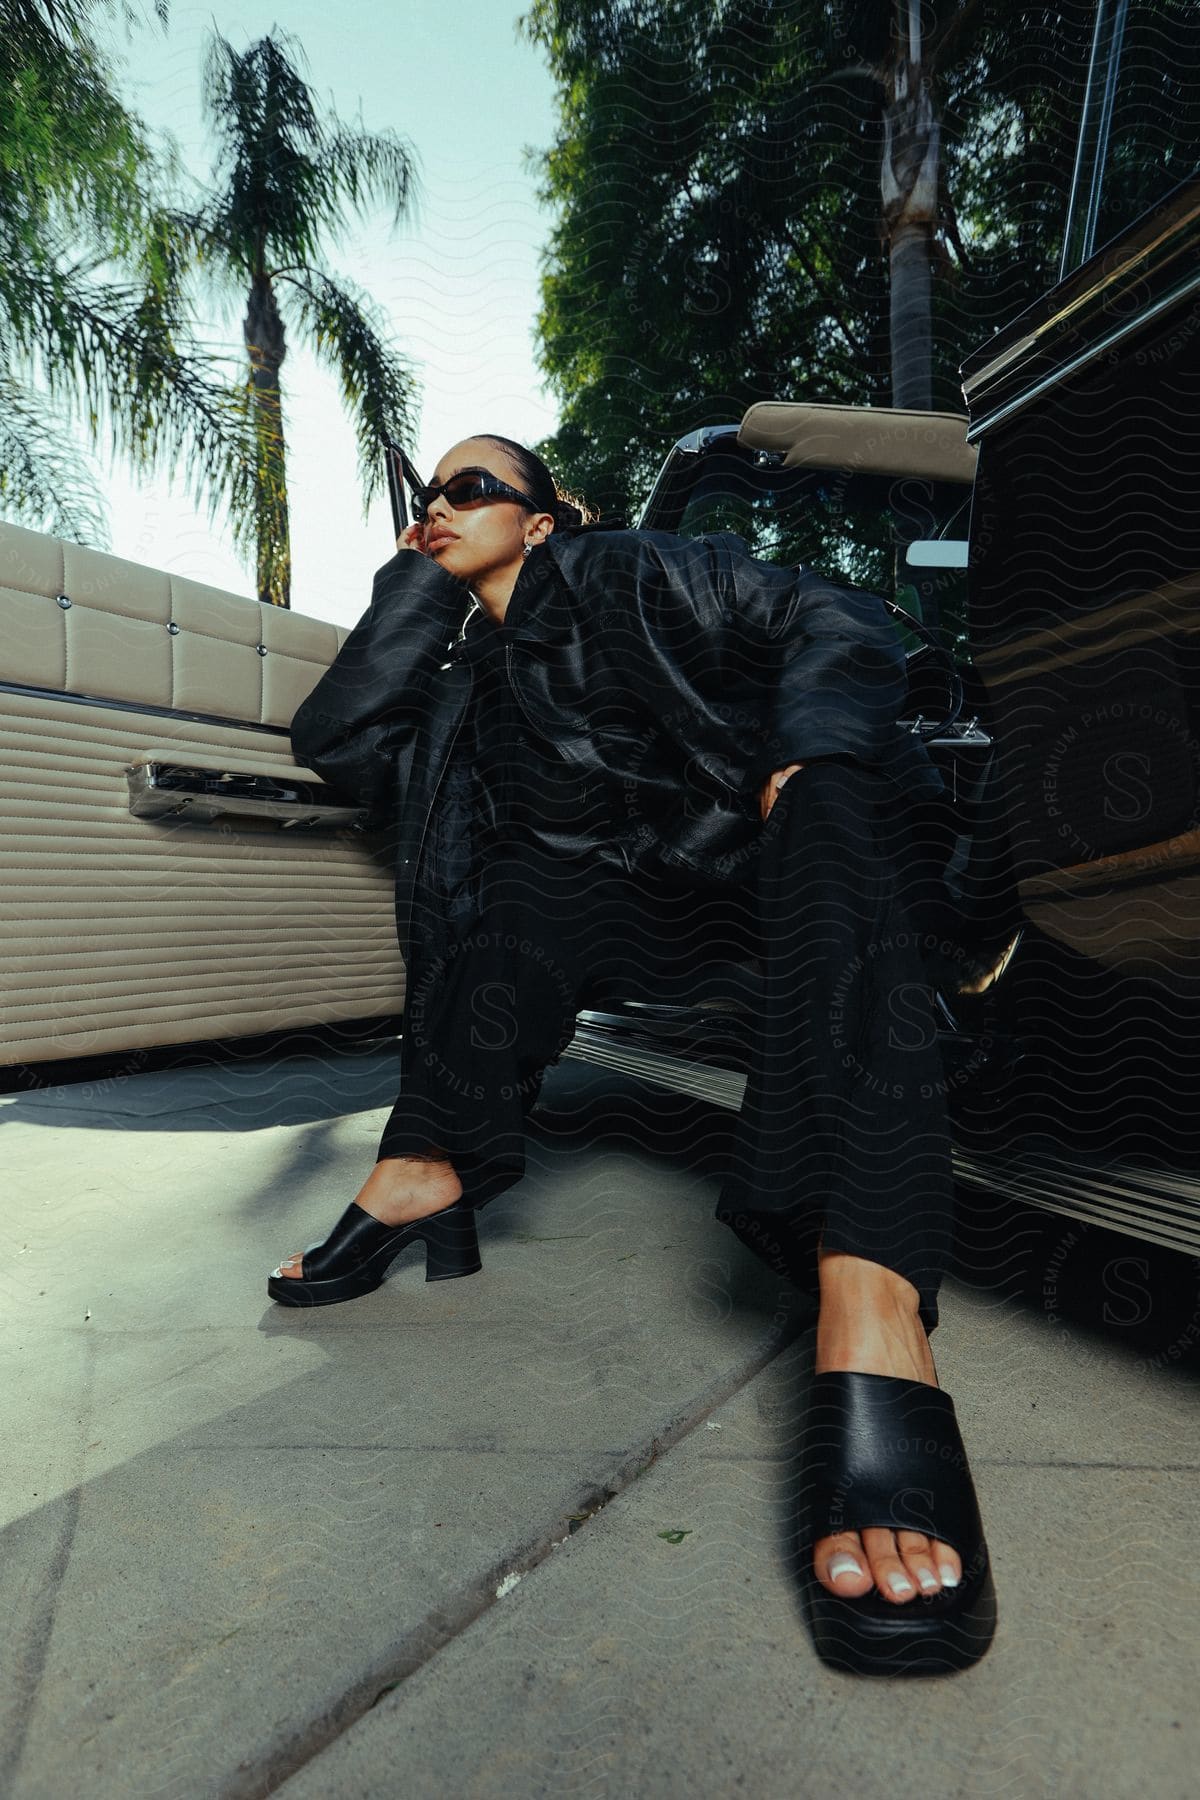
x: 532, y: 614
x: 539, y: 607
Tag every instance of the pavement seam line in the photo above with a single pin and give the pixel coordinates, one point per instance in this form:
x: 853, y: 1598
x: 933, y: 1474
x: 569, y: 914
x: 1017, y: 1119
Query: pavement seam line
x: 263, y: 1776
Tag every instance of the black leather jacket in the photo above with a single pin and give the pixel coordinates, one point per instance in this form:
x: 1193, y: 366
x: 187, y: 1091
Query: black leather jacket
x: 683, y: 669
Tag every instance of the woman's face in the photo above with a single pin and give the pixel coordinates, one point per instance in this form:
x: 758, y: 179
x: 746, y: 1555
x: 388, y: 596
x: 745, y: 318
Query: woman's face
x: 488, y: 539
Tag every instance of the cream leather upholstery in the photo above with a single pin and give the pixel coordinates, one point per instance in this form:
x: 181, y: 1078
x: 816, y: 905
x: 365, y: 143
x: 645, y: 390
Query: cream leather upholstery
x: 118, y: 931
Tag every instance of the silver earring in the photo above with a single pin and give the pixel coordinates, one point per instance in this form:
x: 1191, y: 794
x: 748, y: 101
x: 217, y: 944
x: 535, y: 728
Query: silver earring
x: 527, y: 549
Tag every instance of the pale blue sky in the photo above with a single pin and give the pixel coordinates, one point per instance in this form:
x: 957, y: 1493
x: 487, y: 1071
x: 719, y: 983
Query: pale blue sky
x: 459, y: 281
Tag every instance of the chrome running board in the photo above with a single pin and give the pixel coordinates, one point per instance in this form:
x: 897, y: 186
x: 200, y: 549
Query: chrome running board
x: 631, y: 1055
x: 1155, y: 1205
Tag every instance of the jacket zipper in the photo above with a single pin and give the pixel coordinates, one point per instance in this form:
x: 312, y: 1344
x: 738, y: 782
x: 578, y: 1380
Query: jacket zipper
x: 437, y: 788
x: 524, y: 710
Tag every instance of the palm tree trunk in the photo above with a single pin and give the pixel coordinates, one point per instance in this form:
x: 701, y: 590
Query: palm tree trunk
x: 911, y: 335
x: 266, y: 348
x: 909, y: 187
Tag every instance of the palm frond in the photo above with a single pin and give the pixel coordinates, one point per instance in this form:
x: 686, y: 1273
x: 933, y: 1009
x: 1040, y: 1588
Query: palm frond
x: 95, y: 272
x: 44, y: 481
x: 269, y: 139
x: 119, y: 355
x: 70, y: 153
x: 358, y: 165
x: 203, y: 251
x: 283, y: 174
x: 68, y: 20
x: 377, y: 383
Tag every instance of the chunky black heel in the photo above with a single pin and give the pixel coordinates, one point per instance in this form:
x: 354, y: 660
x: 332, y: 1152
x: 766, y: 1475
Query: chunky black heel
x: 452, y: 1244
x: 360, y: 1249
x: 881, y: 1451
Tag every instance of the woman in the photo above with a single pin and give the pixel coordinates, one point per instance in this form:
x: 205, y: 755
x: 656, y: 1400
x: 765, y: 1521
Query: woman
x: 624, y: 714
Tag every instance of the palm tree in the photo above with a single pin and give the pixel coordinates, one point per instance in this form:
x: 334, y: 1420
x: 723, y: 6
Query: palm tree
x: 282, y: 176
x: 909, y: 183
x: 918, y: 43
x: 93, y: 323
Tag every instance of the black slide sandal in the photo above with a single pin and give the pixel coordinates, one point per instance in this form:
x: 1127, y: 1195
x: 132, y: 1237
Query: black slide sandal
x: 358, y: 1252
x: 879, y: 1451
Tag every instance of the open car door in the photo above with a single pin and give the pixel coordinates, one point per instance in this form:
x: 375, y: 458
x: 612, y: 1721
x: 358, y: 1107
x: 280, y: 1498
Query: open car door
x: 170, y: 875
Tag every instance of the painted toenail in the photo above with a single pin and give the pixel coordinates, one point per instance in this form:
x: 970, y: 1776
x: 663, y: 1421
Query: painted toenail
x: 927, y: 1578
x: 949, y: 1578
x: 899, y: 1584
x: 843, y: 1565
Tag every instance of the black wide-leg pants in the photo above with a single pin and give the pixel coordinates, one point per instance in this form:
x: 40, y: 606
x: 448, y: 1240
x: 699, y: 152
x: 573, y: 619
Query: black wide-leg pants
x: 843, y: 1123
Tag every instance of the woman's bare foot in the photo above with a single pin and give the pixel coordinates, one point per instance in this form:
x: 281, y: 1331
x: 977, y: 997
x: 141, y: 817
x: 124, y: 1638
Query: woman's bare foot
x: 399, y: 1188
x: 869, y: 1320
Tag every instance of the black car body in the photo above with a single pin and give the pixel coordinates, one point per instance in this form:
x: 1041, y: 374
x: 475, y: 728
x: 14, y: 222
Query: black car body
x: 1070, y: 1008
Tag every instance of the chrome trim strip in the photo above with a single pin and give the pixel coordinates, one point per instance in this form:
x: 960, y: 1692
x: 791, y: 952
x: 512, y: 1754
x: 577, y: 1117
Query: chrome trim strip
x: 1095, y: 125
x: 1161, y: 235
x: 722, y: 1087
x: 1137, y: 1201
x: 1006, y: 410
x: 139, y: 706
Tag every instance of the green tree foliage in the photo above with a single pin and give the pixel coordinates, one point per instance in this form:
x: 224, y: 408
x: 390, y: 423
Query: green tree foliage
x: 93, y: 322
x: 282, y: 180
x: 720, y: 230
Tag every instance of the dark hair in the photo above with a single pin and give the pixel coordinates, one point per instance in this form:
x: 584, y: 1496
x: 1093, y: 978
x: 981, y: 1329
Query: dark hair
x: 540, y: 485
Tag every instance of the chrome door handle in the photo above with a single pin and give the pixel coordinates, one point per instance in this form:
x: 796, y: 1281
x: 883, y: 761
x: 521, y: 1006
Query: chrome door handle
x: 159, y: 790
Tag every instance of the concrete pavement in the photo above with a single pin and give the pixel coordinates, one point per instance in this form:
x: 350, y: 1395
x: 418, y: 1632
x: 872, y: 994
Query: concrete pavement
x: 414, y: 1545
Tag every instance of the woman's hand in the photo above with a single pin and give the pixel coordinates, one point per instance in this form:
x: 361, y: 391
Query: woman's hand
x: 771, y: 787
x: 412, y: 538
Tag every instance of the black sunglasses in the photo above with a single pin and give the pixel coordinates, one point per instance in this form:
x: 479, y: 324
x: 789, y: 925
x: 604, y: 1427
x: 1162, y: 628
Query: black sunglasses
x: 469, y: 487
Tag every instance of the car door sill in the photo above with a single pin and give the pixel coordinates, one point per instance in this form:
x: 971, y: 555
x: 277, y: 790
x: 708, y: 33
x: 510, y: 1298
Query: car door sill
x: 1154, y: 1205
